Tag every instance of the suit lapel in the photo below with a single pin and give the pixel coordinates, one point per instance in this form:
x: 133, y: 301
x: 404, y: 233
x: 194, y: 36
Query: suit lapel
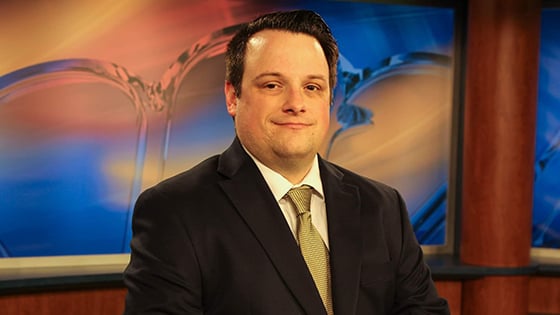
x: 249, y: 193
x: 345, y: 239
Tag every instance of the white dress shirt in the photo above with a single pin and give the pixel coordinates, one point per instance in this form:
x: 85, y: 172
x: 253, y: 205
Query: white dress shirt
x: 280, y: 186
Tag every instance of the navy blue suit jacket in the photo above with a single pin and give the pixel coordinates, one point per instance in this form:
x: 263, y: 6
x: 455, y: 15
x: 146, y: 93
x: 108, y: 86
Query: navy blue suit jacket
x: 212, y: 240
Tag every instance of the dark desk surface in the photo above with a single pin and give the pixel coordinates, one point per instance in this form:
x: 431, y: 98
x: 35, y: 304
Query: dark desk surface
x: 29, y: 279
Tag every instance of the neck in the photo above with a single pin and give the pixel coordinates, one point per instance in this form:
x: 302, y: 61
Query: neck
x: 294, y: 170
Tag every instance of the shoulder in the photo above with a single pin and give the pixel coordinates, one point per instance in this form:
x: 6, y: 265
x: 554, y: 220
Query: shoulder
x: 365, y: 185
x: 198, y: 178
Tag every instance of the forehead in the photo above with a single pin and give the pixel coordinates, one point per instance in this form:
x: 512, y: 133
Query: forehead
x: 284, y: 48
x: 272, y: 37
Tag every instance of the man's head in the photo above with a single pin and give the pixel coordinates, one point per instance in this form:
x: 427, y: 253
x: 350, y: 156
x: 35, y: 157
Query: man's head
x: 299, y: 21
x: 281, y: 70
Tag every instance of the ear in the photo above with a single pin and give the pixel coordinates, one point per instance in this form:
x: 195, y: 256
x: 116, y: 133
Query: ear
x: 231, y: 99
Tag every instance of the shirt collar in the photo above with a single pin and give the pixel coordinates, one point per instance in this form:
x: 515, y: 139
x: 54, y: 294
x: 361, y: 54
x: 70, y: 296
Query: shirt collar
x: 280, y: 186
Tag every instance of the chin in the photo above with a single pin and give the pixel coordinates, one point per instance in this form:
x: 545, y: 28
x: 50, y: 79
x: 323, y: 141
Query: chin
x: 299, y: 152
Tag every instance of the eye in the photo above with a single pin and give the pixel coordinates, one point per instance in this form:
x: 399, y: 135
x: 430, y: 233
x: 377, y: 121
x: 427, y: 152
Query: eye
x: 312, y: 87
x: 271, y: 85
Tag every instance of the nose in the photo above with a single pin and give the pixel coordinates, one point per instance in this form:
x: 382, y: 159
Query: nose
x: 294, y: 101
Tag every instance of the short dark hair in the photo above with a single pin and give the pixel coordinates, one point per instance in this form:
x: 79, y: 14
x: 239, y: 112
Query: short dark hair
x: 298, y: 21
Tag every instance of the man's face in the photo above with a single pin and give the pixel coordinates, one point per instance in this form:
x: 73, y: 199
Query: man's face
x: 282, y: 115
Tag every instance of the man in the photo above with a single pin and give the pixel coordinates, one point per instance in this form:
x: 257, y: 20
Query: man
x: 228, y: 236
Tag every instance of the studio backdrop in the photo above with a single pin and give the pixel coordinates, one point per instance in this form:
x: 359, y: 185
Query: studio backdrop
x: 100, y: 100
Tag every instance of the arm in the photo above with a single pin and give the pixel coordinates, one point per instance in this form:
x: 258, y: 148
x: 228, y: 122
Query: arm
x: 416, y: 292
x: 163, y: 275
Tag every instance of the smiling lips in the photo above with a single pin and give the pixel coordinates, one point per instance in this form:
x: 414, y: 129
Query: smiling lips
x: 293, y: 125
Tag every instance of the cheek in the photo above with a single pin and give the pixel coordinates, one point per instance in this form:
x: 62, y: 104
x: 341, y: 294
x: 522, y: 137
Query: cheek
x: 323, y: 122
x: 325, y: 118
x: 248, y: 118
x: 255, y: 111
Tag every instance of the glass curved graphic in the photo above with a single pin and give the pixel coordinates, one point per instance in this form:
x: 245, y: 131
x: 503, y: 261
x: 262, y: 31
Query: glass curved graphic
x: 80, y: 138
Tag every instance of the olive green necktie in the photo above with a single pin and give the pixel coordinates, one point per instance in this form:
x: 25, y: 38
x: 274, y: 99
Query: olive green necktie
x: 311, y: 244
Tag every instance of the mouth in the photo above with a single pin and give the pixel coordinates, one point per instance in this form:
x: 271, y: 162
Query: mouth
x: 293, y: 125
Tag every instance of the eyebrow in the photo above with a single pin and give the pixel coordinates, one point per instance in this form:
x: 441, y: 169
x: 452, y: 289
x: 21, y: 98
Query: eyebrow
x: 267, y: 74
x: 278, y: 74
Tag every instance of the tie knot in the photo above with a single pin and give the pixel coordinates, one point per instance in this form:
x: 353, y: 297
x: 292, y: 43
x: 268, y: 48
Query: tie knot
x: 301, y: 197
